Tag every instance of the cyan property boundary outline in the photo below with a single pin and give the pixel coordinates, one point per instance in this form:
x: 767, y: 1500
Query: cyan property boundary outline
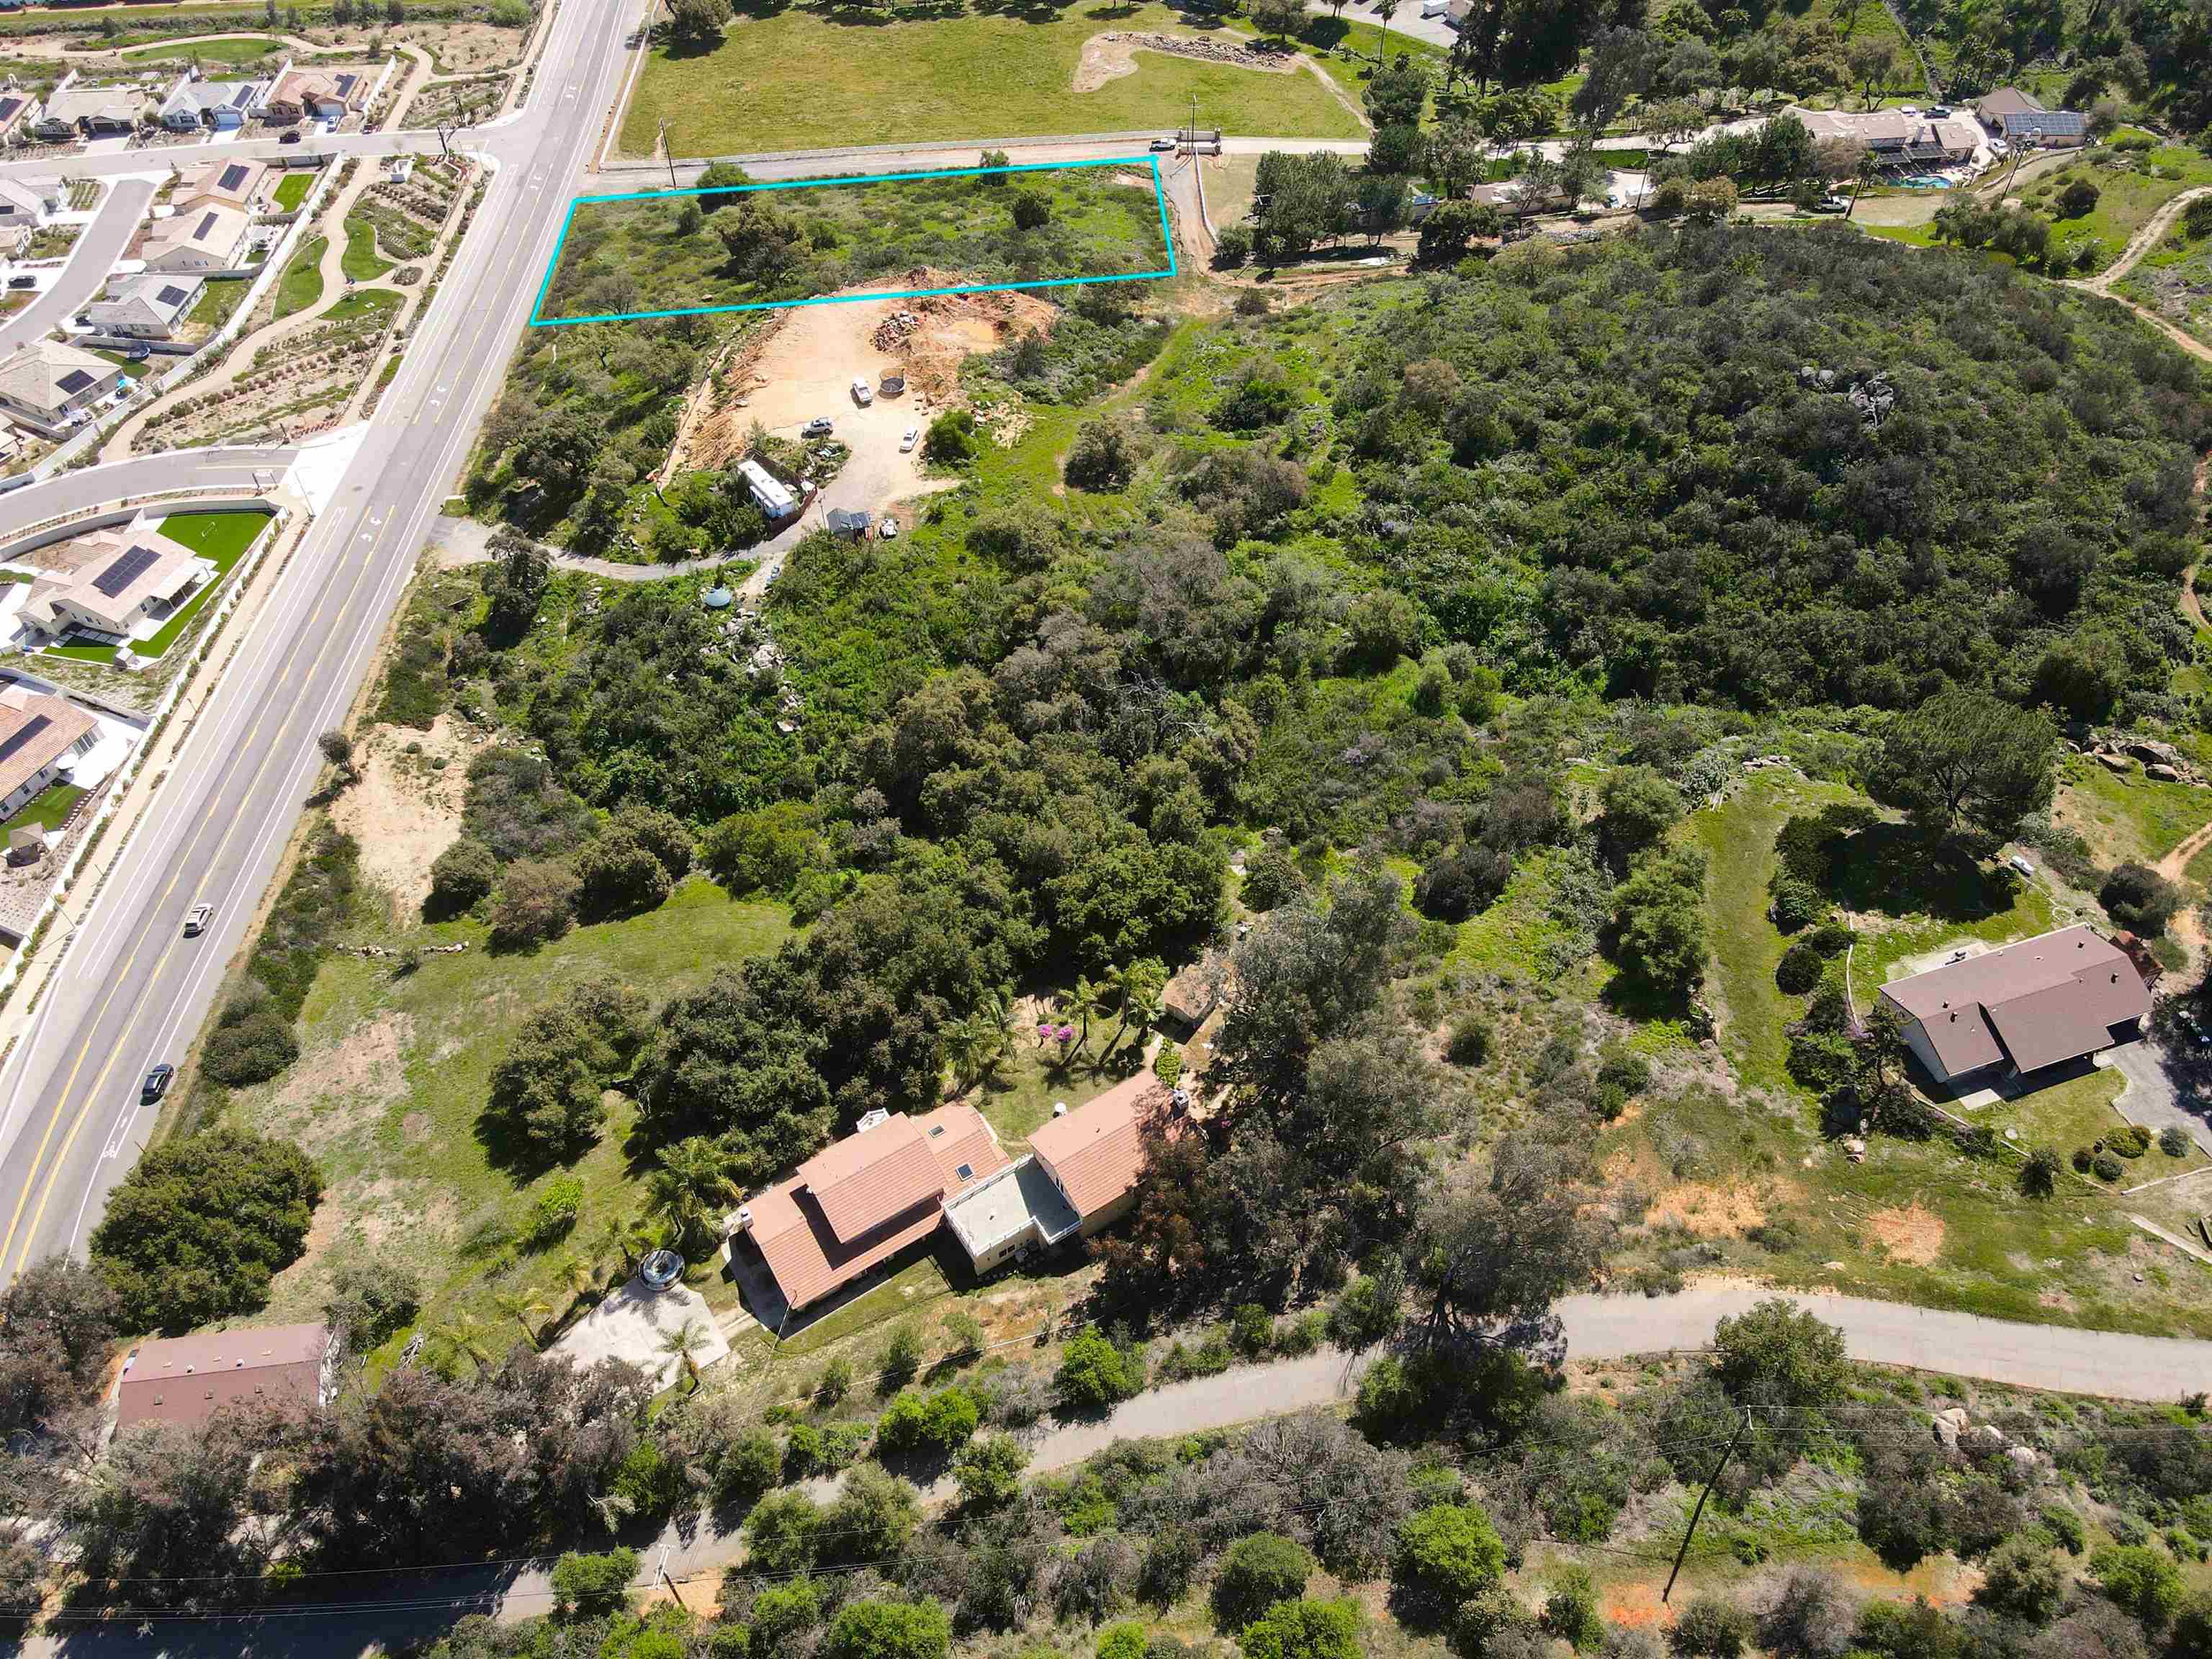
x: 1159, y: 195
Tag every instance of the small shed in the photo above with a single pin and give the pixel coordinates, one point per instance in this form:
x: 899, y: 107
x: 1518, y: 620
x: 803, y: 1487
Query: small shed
x: 1191, y: 995
x: 842, y: 522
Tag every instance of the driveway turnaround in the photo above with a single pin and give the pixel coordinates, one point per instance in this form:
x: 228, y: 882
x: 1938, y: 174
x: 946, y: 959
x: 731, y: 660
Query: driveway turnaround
x: 98, y: 246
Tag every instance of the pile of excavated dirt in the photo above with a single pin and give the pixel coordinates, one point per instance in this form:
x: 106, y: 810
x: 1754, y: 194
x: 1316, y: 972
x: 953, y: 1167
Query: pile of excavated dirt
x: 802, y: 363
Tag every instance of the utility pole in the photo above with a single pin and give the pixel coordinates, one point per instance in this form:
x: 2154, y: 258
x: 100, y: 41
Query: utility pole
x: 1691, y: 1531
x: 667, y: 154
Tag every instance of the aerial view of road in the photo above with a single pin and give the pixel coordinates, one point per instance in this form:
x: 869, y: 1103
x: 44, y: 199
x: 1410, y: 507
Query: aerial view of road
x: 101, y: 243
x: 135, y: 989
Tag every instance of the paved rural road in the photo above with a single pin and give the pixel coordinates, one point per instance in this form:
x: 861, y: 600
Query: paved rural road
x: 132, y: 991
x: 141, y: 475
x: 391, y: 1612
x: 97, y: 248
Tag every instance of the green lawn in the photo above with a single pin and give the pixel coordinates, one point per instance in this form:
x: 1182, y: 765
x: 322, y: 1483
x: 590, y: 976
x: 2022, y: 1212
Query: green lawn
x: 101, y: 653
x: 376, y: 302
x: 1917, y: 1221
x: 361, y: 261
x: 628, y: 255
x: 217, y: 301
x: 222, y: 536
x: 230, y: 51
x: 46, y: 809
x: 301, y: 284
x: 395, y: 1068
x: 292, y: 189
x: 815, y: 77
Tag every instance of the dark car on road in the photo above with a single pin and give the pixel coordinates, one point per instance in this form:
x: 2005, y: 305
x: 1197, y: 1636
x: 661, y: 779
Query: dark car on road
x: 156, y: 1083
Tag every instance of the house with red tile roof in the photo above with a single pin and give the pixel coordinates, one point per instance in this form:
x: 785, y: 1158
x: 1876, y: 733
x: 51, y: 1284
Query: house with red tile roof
x: 855, y: 1204
x: 861, y: 1201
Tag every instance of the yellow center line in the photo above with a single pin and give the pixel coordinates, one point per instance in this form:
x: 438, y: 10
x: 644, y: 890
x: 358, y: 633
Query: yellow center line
x: 222, y: 826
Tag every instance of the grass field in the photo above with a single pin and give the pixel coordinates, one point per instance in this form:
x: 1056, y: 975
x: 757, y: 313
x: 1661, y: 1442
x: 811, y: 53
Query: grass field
x: 46, y: 809
x: 217, y: 302
x: 815, y: 76
x: 394, y: 1069
x: 2130, y: 189
x: 2127, y: 816
x: 361, y: 261
x: 231, y: 51
x: 293, y: 188
x: 301, y: 284
x: 626, y: 256
x: 222, y: 536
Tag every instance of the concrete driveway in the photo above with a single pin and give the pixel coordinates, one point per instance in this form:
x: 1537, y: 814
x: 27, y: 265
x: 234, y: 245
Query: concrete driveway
x: 2157, y: 1097
x: 631, y: 1325
x: 98, y: 246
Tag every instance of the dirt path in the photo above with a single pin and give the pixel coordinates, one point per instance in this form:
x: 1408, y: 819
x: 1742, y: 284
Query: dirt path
x: 2142, y: 241
x: 330, y: 225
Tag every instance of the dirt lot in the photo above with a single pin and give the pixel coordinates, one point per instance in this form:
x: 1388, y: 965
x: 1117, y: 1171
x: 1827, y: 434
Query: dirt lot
x: 404, y: 809
x: 805, y: 363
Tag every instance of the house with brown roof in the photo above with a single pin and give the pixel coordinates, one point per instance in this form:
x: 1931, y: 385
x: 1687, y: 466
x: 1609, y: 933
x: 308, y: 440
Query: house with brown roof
x: 861, y: 1201
x: 40, y: 737
x: 220, y: 184
x: 1081, y: 1176
x: 319, y: 94
x: 188, y: 1379
x: 2022, y: 1008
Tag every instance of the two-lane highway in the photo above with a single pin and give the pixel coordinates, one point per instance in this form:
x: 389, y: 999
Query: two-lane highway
x: 131, y: 990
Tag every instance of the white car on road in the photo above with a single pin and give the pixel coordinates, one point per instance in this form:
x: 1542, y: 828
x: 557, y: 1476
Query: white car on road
x: 913, y: 436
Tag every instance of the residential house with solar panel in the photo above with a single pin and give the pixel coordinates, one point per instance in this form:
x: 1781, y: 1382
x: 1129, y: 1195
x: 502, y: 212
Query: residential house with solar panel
x: 211, y: 237
x: 39, y: 738
x: 2019, y: 118
x: 220, y: 184
x: 133, y: 581
x: 16, y: 108
x: 147, y: 308
x: 305, y: 94
x: 212, y: 105
x: 47, y: 385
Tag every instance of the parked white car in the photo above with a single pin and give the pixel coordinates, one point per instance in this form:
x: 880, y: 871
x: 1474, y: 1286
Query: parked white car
x: 912, y: 437
x: 886, y: 529
x: 863, y: 394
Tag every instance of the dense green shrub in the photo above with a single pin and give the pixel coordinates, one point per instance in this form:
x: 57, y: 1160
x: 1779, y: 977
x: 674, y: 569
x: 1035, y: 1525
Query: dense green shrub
x: 1257, y: 1571
x: 200, y: 1226
x: 1094, y: 1374
x: 1447, y: 1554
x: 1799, y: 970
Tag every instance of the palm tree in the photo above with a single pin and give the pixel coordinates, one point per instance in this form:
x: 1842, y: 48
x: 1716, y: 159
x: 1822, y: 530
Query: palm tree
x: 465, y: 1334
x: 626, y: 1236
x: 578, y: 1275
x: 1383, y: 11
x: 1138, y: 987
x: 1084, y: 1001
x: 974, y: 1046
x: 683, y: 1344
x: 522, y: 1306
x: 693, y: 1178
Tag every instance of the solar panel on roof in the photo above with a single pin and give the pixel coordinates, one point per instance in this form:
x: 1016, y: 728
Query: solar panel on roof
x: 30, y: 729
x: 75, y: 381
x: 233, y: 177
x: 207, y: 224
x: 135, y: 563
x: 173, y: 295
